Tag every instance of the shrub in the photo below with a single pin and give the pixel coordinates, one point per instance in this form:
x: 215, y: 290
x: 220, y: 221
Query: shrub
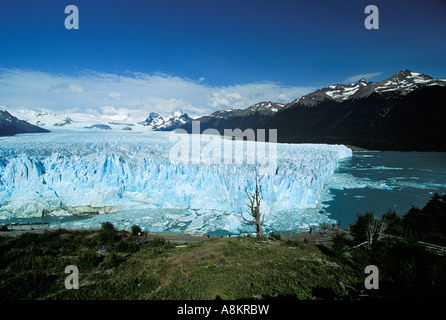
x: 158, y: 242
x: 108, y: 234
x: 340, y: 244
x: 359, y: 229
x: 108, y: 226
x: 123, y: 246
x: 294, y: 243
x: 136, y: 230
x: 275, y: 236
x: 89, y: 259
x: 395, y: 223
x: 111, y: 261
x: 427, y: 224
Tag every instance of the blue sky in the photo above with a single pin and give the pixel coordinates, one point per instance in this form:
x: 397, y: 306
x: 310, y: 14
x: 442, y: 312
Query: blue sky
x: 223, y: 49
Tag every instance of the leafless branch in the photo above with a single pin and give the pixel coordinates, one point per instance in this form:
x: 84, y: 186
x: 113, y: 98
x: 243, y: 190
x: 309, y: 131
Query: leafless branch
x: 254, y: 199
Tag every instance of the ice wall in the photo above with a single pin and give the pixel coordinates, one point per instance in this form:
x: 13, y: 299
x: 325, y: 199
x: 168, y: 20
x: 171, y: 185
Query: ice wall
x: 64, y: 173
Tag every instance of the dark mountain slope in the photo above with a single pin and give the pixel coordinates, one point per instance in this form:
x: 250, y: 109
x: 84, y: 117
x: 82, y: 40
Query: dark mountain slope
x: 383, y: 121
x: 10, y: 125
x: 251, y: 117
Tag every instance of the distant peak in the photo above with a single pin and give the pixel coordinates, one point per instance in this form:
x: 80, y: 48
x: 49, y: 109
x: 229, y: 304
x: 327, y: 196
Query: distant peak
x: 411, y: 74
x: 178, y: 113
x: 406, y: 72
x: 362, y: 83
x: 166, y: 123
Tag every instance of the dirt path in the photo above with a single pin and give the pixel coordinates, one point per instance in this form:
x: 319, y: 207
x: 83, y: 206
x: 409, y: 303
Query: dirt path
x: 184, y: 238
x: 319, y: 234
x: 178, y: 238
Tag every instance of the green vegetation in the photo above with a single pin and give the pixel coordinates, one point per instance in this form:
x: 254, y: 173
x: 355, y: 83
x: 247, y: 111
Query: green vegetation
x: 136, y: 230
x: 407, y: 269
x: 116, y: 264
x: 32, y: 267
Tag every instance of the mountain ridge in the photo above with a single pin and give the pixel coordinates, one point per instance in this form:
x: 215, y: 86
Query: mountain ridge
x: 51, y: 120
x: 402, y: 82
x: 355, y: 114
x: 412, y: 122
x: 250, y: 117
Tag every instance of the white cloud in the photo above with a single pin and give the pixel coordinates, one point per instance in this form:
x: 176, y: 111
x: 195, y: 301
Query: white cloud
x: 366, y: 76
x: 134, y: 95
x: 222, y: 99
x: 243, y: 96
x: 114, y: 95
x: 65, y: 87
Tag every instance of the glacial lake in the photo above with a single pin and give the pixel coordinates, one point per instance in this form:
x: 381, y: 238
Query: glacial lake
x: 378, y: 181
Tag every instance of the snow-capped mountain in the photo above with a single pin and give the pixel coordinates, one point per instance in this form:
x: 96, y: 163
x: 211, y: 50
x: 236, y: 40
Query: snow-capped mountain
x: 158, y: 123
x: 51, y: 120
x: 153, y: 120
x: 65, y: 122
x: 266, y: 108
x: 41, y: 118
x: 337, y: 92
x: 10, y: 125
x: 401, y: 83
x: 403, y: 112
x: 258, y: 114
x: 406, y: 111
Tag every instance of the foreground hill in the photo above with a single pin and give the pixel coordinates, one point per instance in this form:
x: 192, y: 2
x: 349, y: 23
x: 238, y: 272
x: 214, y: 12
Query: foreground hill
x: 112, y: 266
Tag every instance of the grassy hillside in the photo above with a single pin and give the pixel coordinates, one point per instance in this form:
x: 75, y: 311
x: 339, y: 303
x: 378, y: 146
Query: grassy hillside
x: 112, y: 266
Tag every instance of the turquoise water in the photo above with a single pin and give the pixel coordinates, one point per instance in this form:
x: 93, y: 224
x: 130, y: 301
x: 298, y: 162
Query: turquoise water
x: 379, y: 181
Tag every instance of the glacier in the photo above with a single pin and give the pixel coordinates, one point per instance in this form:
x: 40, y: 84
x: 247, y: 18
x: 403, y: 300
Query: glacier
x: 128, y: 178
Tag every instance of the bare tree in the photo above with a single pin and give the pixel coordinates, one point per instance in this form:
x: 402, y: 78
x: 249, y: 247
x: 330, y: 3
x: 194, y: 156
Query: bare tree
x: 254, y: 199
x: 375, y: 231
